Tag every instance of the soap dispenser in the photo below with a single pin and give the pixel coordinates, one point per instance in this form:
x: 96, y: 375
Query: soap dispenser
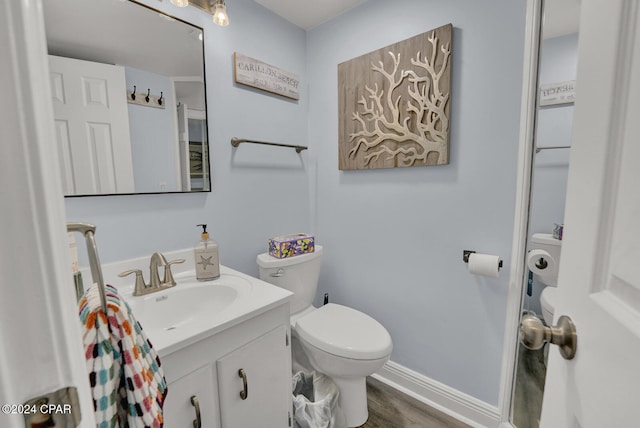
x: 206, y: 257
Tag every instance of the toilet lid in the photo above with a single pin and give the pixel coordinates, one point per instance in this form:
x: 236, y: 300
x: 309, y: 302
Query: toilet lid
x: 345, y: 332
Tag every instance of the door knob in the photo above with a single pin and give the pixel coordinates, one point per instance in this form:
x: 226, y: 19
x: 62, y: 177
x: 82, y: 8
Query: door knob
x: 534, y: 334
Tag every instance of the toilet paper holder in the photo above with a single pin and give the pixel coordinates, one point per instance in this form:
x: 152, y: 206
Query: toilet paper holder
x: 467, y: 253
x: 542, y: 264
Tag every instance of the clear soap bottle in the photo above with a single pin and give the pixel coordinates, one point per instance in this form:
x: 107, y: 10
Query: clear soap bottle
x: 206, y: 257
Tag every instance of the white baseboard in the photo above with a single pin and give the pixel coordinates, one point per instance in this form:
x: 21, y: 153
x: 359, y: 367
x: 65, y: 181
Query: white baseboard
x: 454, y: 403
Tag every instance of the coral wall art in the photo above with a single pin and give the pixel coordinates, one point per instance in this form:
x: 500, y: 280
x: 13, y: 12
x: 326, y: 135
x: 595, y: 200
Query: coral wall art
x: 393, y: 104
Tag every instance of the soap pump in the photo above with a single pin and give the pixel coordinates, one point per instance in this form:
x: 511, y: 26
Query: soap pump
x: 206, y: 257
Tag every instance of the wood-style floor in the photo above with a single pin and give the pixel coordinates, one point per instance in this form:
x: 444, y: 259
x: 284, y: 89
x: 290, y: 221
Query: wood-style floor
x: 390, y: 408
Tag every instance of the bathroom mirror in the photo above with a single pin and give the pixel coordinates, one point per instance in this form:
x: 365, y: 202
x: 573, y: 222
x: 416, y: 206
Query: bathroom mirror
x: 557, y: 62
x: 111, y: 139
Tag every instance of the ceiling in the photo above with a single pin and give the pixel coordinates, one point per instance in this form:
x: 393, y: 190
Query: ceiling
x: 125, y: 33
x: 308, y: 14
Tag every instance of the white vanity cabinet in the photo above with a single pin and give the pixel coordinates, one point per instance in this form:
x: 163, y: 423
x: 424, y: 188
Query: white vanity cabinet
x: 252, y: 357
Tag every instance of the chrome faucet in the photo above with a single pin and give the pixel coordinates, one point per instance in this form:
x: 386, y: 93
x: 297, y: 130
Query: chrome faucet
x: 157, y: 260
x: 155, y: 284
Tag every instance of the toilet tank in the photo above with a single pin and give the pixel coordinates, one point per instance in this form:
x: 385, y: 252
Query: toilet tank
x: 298, y: 274
x: 553, y: 246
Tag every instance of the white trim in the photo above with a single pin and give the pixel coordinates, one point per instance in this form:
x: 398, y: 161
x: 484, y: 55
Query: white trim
x: 448, y: 400
x: 521, y: 216
x: 180, y: 168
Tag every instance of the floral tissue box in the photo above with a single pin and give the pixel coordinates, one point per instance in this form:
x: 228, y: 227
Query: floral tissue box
x: 558, y: 230
x: 291, y: 245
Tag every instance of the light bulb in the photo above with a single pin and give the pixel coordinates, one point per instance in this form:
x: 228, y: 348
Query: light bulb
x: 180, y: 3
x: 220, y: 14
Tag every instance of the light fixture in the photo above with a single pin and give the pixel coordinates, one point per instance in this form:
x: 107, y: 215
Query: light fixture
x: 220, y: 14
x: 180, y: 3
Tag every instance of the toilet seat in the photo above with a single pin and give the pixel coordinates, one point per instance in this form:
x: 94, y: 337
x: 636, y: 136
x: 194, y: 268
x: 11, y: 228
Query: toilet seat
x: 345, y: 332
x: 548, y: 303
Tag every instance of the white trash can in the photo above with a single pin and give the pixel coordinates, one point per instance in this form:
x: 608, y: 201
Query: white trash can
x: 316, y: 401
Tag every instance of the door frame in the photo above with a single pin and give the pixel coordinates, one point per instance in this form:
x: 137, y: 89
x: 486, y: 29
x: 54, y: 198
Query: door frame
x: 521, y: 214
x: 34, y: 55
x: 41, y: 350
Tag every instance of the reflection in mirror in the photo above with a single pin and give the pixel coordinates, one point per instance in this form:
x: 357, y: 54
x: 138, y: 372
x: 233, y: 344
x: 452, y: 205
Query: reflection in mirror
x: 128, y: 94
x: 558, y: 56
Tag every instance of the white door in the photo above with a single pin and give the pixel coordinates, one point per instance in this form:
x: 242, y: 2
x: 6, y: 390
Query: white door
x: 599, y: 282
x: 92, y: 126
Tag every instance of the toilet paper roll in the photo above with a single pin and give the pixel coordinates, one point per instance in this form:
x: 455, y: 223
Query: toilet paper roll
x: 484, y: 264
x: 541, y: 262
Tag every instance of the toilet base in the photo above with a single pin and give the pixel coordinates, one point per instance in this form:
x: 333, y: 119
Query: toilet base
x: 353, y: 400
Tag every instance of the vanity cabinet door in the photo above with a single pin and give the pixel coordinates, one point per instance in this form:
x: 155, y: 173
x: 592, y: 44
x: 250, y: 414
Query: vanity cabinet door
x: 180, y: 411
x: 254, y: 383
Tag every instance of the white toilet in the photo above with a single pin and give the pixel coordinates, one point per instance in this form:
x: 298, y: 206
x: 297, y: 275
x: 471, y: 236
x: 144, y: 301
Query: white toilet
x: 339, y: 341
x: 549, y: 275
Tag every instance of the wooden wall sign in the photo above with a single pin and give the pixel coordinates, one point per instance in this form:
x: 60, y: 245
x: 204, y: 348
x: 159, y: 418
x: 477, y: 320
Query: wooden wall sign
x: 393, y: 104
x: 260, y: 75
x: 558, y: 93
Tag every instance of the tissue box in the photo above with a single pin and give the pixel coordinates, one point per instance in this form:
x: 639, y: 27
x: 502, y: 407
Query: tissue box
x: 291, y: 245
x: 558, y: 229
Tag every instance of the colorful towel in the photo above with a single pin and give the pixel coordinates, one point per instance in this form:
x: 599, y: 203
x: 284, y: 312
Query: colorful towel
x: 127, y: 381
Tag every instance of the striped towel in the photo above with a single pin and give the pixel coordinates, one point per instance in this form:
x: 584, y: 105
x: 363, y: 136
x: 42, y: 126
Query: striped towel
x: 127, y: 382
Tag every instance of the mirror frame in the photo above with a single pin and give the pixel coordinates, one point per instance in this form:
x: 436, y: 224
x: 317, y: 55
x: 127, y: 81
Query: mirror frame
x: 208, y: 181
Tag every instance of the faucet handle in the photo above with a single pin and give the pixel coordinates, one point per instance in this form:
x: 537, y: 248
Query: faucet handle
x: 168, y: 275
x: 140, y: 286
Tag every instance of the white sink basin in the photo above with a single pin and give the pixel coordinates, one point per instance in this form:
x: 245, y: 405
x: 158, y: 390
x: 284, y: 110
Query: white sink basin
x: 193, y: 310
x: 190, y: 301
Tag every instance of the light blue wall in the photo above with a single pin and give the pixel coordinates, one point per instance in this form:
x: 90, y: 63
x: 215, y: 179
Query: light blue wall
x: 394, y: 238
x: 257, y: 192
x: 153, y: 137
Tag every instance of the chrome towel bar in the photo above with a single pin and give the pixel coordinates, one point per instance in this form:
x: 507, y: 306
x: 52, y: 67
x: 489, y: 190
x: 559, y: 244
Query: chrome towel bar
x: 539, y: 149
x: 235, y: 142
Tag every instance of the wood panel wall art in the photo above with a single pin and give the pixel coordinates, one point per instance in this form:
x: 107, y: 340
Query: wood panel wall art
x: 393, y: 104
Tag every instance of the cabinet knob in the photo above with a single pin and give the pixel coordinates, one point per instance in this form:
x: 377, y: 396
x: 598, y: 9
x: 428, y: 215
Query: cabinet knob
x: 197, y: 422
x: 245, y: 388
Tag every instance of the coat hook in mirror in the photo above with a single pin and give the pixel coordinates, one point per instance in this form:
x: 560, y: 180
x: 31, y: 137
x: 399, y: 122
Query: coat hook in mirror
x: 147, y: 100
